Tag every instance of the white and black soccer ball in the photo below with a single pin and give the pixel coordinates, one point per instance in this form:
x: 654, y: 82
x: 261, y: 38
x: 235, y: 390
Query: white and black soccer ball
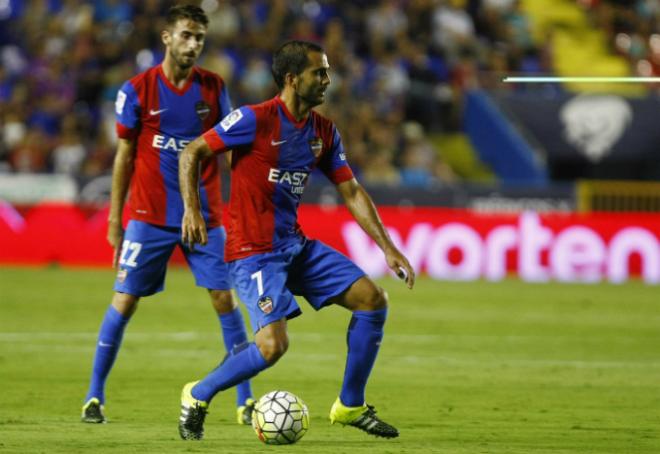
x: 280, y: 418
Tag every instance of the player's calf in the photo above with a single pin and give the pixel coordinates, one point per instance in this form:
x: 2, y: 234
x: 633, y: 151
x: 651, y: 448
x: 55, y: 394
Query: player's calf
x: 272, y: 341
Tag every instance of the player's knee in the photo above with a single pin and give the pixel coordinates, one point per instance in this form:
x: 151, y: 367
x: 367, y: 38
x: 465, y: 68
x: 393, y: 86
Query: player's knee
x: 222, y: 301
x: 376, y: 299
x: 125, y: 303
x: 272, y: 348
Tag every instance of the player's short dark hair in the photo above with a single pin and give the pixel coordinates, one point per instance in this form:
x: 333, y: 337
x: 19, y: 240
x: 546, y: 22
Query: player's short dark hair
x: 191, y: 12
x: 291, y: 57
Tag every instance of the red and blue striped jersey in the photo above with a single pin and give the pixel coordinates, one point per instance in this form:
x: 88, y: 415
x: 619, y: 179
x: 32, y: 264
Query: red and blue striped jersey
x: 273, y: 156
x: 163, y: 119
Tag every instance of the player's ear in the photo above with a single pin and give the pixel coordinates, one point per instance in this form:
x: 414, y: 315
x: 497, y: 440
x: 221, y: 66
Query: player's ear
x: 166, y: 37
x: 291, y: 79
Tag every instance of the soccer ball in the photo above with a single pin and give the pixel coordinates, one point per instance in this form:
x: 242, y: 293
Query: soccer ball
x: 280, y: 418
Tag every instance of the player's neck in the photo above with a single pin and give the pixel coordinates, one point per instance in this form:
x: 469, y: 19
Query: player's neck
x: 296, y: 106
x: 176, y: 74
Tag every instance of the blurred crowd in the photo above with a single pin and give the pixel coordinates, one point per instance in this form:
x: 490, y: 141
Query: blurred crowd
x: 633, y: 30
x: 399, y: 70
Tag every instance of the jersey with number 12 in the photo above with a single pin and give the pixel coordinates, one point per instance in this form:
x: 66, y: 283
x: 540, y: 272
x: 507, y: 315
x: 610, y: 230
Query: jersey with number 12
x: 163, y: 119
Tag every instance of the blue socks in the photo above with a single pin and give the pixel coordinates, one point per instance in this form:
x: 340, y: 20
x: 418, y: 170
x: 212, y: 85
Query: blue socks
x: 243, y: 362
x: 112, y: 332
x: 110, y: 336
x: 364, y: 335
x: 233, y: 335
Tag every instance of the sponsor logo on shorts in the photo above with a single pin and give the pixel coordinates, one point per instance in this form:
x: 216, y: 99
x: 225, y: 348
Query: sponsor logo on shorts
x: 121, y: 275
x: 265, y: 304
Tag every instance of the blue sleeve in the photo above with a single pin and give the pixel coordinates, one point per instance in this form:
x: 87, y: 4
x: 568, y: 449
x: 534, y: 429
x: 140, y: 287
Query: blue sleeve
x: 238, y: 128
x: 225, y: 102
x: 337, y: 154
x: 333, y: 163
x: 127, y: 106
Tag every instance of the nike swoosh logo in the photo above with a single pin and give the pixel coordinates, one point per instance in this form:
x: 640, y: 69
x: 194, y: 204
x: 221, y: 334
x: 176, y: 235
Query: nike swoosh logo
x: 103, y: 344
x: 276, y: 143
x: 156, y: 112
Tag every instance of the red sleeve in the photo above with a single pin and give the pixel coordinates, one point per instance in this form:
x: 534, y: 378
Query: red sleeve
x: 214, y: 141
x: 125, y: 133
x: 341, y: 175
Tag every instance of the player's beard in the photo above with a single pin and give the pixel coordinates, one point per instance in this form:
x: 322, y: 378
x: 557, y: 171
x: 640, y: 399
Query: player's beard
x: 183, y: 61
x: 311, y: 96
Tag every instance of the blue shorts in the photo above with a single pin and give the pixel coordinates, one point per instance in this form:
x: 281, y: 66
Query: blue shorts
x: 267, y: 282
x: 147, y: 248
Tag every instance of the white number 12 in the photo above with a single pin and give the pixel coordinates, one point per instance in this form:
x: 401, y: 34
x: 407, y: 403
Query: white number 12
x: 135, y: 249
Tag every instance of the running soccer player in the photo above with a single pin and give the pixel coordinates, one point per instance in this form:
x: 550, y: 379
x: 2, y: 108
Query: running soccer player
x: 276, y: 145
x: 158, y: 112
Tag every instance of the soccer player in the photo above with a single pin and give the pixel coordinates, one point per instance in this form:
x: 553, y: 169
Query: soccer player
x: 158, y: 112
x: 276, y: 145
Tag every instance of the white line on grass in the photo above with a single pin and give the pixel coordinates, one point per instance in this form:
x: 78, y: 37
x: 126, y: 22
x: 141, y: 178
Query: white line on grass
x: 540, y: 363
x: 214, y: 350
x: 187, y: 336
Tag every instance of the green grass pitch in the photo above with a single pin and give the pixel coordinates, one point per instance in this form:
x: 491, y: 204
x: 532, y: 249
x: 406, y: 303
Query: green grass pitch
x: 464, y: 368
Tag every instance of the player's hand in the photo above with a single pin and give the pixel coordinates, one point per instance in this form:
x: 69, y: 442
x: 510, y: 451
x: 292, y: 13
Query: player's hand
x: 116, y: 239
x: 401, y: 267
x: 193, y: 229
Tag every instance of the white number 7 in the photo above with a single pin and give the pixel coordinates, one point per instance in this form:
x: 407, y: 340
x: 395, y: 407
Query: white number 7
x: 260, y: 282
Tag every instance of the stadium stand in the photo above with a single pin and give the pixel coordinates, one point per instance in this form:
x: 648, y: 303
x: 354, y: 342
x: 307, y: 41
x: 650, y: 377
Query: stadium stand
x: 402, y: 71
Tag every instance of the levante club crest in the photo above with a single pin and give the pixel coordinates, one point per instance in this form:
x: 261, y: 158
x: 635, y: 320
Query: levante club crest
x: 203, y: 110
x: 266, y: 304
x: 121, y: 275
x: 316, y: 146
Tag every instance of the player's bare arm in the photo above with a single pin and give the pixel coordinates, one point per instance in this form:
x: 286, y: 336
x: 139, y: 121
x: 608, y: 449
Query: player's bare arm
x: 193, y: 228
x: 122, y: 171
x: 364, y: 211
